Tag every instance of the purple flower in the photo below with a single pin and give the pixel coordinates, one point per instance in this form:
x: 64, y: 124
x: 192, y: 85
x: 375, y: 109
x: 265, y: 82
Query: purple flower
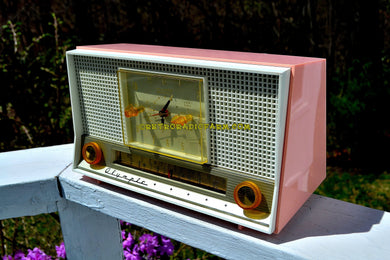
x: 166, y: 247
x: 127, y: 255
x: 135, y: 249
x: 131, y: 255
x: 149, y: 247
x: 128, y: 242
x: 37, y: 254
x: 148, y: 244
x: 19, y: 255
x: 61, y: 250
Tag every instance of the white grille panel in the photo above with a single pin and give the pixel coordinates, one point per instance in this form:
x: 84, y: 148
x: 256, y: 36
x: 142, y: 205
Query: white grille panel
x: 98, y: 91
x: 235, y: 98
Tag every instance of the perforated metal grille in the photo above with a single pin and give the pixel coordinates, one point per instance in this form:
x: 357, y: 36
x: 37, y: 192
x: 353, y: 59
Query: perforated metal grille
x: 236, y: 99
x: 98, y: 91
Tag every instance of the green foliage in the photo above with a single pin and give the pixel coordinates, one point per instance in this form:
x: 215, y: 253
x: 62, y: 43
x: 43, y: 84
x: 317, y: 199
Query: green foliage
x: 183, y: 251
x: 370, y: 190
x: 358, y: 129
x: 347, y: 103
x: 24, y: 233
x: 35, y: 108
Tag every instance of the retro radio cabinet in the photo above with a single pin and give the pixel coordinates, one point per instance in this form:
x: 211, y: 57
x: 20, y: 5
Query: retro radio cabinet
x: 238, y: 136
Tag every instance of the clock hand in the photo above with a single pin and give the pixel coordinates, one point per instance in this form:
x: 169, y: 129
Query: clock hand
x: 166, y: 105
x: 164, y: 111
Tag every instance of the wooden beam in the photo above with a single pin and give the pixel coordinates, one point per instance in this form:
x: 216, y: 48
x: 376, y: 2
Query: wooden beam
x: 28, y: 180
x: 323, y: 228
x: 89, y: 234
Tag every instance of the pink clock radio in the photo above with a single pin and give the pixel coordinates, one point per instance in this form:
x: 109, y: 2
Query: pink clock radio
x: 238, y: 136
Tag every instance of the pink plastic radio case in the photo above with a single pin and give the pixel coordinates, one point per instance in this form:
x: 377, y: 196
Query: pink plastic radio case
x: 302, y: 161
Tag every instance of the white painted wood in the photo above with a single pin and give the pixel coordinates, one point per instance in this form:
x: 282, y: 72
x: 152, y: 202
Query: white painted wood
x: 36, y: 164
x: 89, y: 234
x: 28, y: 199
x: 323, y: 228
x: 28, y: 180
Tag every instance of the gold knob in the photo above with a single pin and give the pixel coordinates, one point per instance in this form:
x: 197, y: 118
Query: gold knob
x: 247, y: 195
x: 92, y: 153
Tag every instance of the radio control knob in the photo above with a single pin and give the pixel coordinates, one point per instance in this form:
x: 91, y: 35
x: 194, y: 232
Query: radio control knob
x: 92, y: 153
x: 247, y: 195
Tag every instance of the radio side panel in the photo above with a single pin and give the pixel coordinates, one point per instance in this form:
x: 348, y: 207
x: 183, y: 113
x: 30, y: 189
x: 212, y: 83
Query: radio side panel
x: 304, y: 159
x: 76, y: 107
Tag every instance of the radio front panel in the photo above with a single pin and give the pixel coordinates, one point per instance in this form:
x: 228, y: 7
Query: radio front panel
x: 207, y: 135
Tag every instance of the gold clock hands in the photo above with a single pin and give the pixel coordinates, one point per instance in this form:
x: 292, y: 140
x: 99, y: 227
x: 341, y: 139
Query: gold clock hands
x: 164, y: 111
x: 181, y: 120
x: 132, y: 111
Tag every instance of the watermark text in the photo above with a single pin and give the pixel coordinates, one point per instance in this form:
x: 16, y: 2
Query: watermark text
x: 218, y: 127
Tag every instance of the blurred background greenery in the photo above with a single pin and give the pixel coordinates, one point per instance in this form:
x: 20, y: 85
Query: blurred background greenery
x: 354, y: 37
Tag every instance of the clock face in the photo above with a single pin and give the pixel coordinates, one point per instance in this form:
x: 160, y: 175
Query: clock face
x: 165, y: 114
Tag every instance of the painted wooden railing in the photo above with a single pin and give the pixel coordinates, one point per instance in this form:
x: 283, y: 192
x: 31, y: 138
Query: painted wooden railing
x: 41, y: 180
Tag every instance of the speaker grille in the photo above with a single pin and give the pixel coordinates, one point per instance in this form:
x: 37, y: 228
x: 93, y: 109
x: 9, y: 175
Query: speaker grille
x: 236, y: 99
